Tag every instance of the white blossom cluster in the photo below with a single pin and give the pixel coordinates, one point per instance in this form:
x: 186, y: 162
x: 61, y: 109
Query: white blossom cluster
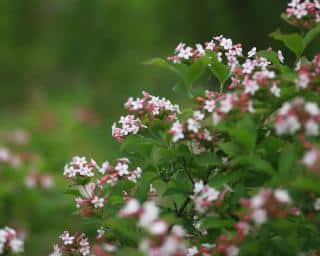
x: 10, y: 241
x: 298, y: 115
x: 204, y: 196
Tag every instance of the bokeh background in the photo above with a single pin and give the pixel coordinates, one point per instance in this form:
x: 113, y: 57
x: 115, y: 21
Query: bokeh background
x: 67, y: 66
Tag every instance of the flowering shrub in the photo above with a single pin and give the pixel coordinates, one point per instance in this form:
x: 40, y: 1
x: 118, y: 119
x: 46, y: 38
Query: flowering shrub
x: 236, y: 172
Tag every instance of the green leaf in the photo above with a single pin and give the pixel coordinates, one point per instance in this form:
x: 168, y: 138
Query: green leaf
x: 197, y: 69
x: 178, y: 69
x: 230, y: 148
x: 274, y: 58
x: 310, y: 36
x: 244, y: 133
x: 214, y: 223
x: 287, y: 160
x: 218, y: 69
x: 293, y: 42
x: 254, y: 163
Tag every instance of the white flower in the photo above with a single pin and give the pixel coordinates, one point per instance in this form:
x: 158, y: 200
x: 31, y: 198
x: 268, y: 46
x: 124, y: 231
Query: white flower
x: 251, y: 86
x: 312, y: 128
x: 105, y: 166
x: 317, y: 204
x: 200, y: 49
x: 310, y: 158
x: 257, y: 201
x: 132, y: 207
x: 252, y: 52
x: 177, y: 131
x: 233, y: 251
x: 280, y: 56
x: 98, y: 202
x: 158, y: 228
x: 312, y: 108
x: 226, y: 104
x: 149, y: 214
x: 56, y: 251
x: 66, y: 238
x: 303, y: 81
x: 122, y: 169
x: 198, y: 187
x: 259, y: 216
x: 192, y: 251
x: 84, y: 247
x: 16, y: 245
x: 275, y: 90
x: 198, y: 115
x: 282, y: 196
x: 226, y: 43
x: 193, y: 125
x: 209, y: 105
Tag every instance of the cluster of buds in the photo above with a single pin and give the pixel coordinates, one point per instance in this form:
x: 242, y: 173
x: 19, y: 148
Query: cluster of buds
x: 255, y: 74
x: 309, y: 75
x: 164, y: 241
x: 303, y: 13
x: 36, y: 179
x: 121, y: 170
x: 223, y: 47
x: 141, y: 112
x: 298, y: 115
x: 10, y: 241
x: 9, y: 158
x: 80, y: 167
x: 268, y: 203
x: 204, y: 196
x: 72, y: 245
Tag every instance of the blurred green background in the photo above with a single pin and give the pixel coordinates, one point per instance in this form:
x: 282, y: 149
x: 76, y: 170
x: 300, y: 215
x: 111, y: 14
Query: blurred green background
x: 67, y: 66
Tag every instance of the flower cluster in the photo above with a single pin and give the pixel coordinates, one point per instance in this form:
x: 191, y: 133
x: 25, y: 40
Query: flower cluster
x: 192, y: 129
x: 36, y: 179
x: 72, y: 245
x: 121, y: 170
x: 303, y: 13
x: 9, y: 158
x: 309, y: 75
x: 18, y: 137
x: 92, y: 195
x: 203, y: 250
x: 204, y: 196
x: 10, y: 242
x: 311, y: 159
x: 223, y: 47
x: 221, y: 104
x: 170, y: 244
x: 298, y: 115
x: 164, y: 241
x: 80, y: 167
x: 259, y: 208
x: 255, y: 74
x: 268, y: 203
x: 90, y: 198
x: 144, y: 110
